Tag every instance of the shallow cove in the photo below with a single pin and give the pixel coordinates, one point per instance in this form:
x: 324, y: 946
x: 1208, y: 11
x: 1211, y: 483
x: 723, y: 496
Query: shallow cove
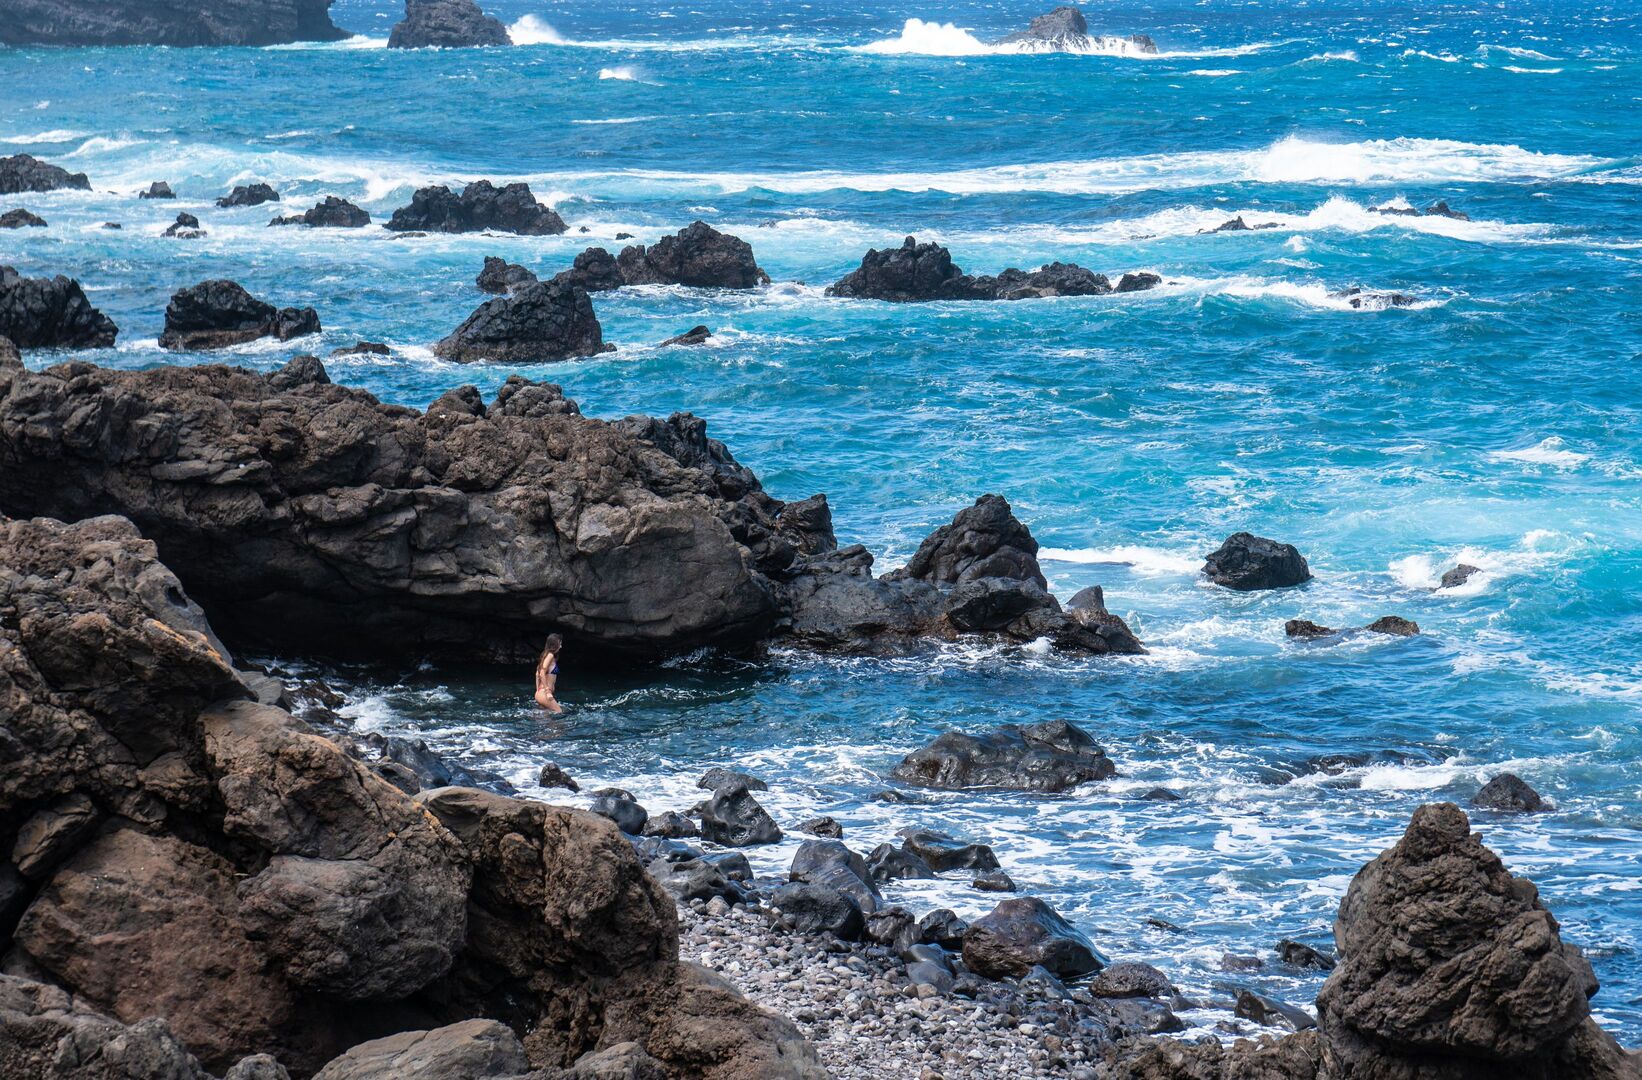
x: 1494, y: 423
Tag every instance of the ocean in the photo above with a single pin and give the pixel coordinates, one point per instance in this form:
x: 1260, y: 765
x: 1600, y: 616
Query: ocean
x: 1495, y: 421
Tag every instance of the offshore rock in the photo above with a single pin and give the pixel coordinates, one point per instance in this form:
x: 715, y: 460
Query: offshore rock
x: 543, y: 320
x: 1508, y: 791
x: 50, y: 313
x: 249, y: 195
x: 1065, y: 30
x: 698, y: 256
x: 21, y: 219
x: 25, y: 172
x: 1246, y: 562
x: 446, y: 24
x: 331, y: 212
x: 1049, y: 757
x: 985, y: 540
x: 696, y: 335
x: 921, y: 272
x: 186, y: 227
x: 481, y: 206
x: 217, y: 314
x: 174, y: 23
x: 159, y: 189
x: 502, y: 277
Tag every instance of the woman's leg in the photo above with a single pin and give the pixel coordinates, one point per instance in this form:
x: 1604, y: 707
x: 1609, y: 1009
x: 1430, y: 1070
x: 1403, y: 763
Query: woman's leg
x: 545, y: 698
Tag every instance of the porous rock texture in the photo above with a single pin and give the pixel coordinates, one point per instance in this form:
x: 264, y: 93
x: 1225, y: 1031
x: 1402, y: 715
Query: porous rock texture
x: 50, y: 313
x: 199, y: 858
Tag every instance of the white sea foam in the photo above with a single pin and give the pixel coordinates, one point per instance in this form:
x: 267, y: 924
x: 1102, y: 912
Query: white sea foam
x: 357, y: 41
x: 1533, y: 71
x: 1215, y: 72
x: 1141, y: 559
x: 1310, y: 294
x: 618, y: 120
x: 922, y: 38
x: 1512, y: 50
x: 1548, y: 451
x: 919, y: 37
x: 56, y: 135
x: 1347, y: 55
x: 624, y: 73
x: 531, y: 30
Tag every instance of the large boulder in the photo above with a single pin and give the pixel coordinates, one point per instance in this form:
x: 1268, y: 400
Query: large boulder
x: 1048, y: 757
x: 1246, y: 562
x: 330, y: 212
x: 595, y: 270
x: 249, y: 195
x: 501, y: 277
x: 1023, y: 932
x: 734, y: 818
x: 911, y: 272
x: 470, y: 1050
x: 50, y: 313
x: 217, y: 314
x: 1451, y: 969
x: 174, y: 23
x: 544, y: 320
x: 24, y: 172
x: 698, y: 255
x: 481, y: 206
x: 1064, y: 25
x: 21, y: 219
x: 46, y: 1034
x: 985, y: 540
x: 446, y: 24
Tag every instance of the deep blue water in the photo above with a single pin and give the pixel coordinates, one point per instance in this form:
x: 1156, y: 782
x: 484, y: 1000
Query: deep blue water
x: 1496, y: 422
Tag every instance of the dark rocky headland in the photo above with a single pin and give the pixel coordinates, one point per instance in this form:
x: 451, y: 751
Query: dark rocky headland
x: 167, y: 22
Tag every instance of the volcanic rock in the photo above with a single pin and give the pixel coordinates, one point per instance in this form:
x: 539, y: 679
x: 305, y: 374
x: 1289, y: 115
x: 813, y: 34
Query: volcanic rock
x: 20, y: 219
x: 446, y: 24
x: 50, y: 313
x: 501, y: 276
x: 175, y: 23
x: 1138, y: 282
x: 1047, y: 757
x: 734, y: 818
x: 1394, y: 625
x: 24, y: 172
x: 249, y: 195
x: 186, y: 227
x: 217, y: 314
x: 1508, y: 791
x: 1022, y: 933
x: 544, y: 320
x: 159, y: 189
x: 698, y: 255
x: 1246, y: 562
x: 481, y: 206
x: 330, y: 212
x: 696, y: 335
x: 1458, y: 575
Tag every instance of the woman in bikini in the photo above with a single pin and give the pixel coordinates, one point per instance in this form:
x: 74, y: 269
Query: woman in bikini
x: 547, y: 674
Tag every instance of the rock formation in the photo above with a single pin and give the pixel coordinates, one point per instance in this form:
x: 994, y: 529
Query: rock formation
x: 249, y: 195
x: 917, y: 272
x: 1050, y: 756
x: 502, y: 277
x: 1065, y: 30
x: 186, y: 227
x: 173, y: 22
x: 1246, y: 562
x: 330, y: 212
x: 188, y: 854
x: 21, y: 219
x: 541, y: 320
x: 446, y: 24
x: 696, y: 335
x: 50, y: 313
x: 24, y: 172
x: 698, y: 256
x: 481, y: 206
x: 159, y: 189
x: 217, y: 314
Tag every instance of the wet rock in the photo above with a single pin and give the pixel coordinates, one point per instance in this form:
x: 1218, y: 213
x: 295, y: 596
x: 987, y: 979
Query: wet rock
x: 1024, y: 932
x: 1246, y: 562
x: 300, y: 371
x: 912, y: 272
x: 1052, y: 279
x: 432, y: 769
x: 732, y: 817
x: 1160, y: 794
x: 942, y: 927
x: 249, y: 195
x: 362, y: 348
x: 927, y: 973
x: 1065, y: 30
x: 1300, y: 955
x: 893, y: 927
x: 330, y: 212
x: 696, y: 335
x: 24, y: 172
x: 1442, y: 209
x: 159, y: 189
x: 217, y: 314
x: 446, y: 24
x: 186, y: 227
x: 470, y: 1050
x: 112, y: 225
x: 718, y: 777
x: 541, y: 321
x: 1458, y: 575
x: 595, y: 270
x: 1131, y: 979
x: 1163, y: 924
x: 1138, y: 281
x: 985, y: 540
x: 176, y: 23
x: 1305, y: 628
x: 698, y: 256
x: 1394, y: 625
x: 823, y: 826
x: 941, y: 852
x: 1236, y: 962
x: 620, y: 806
x: 886, y: 862
x: 501, y: 276
x: 1372, y: 299
x: 481, y: 206
x: 1508, y: 791
x: 1048, y: 757
x: 553, y: 776
x: 670, y: 824
x: 21, y: 219
x: 50, y: 313
x: 1271, y: 1012
x: 995, y: 881
x: 813, y: 909
x: 830, y: 863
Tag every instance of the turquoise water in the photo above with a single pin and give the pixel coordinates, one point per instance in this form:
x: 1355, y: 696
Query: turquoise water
x: 1496, y: 422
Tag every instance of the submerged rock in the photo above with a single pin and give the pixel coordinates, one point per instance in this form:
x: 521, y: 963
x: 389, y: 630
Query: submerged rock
x: 1270, y: 1012
x: 696, y: 335
x: 25, y: 172
x: 331, y: 212
x: 544, y: 320
x: 1022, y: 933
x: 1442, y: 209
x: 249, y: 195
x: 1372, y: 299
x: 886, y: 862
x: 1394, y: 625
x: 362, y: 348
x: 1305, y: 628
x: 50, y: 313
x: 174, y: 23
x: 917, y: 272
x: 1300, y: 955
x: 20, y: 219
x: 1458, y: 575
x: 481, y: 206
x: 941, y: 852
x: 501, y: 276
x: 1246, y: 562
x: 1508, y: 791
x: 446, y: 24
x: 1047, y: 757
x: 186, y: 227
x: 220, y: 313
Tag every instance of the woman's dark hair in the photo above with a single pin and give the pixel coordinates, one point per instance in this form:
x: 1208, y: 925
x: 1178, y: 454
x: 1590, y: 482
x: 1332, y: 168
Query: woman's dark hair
x: 554, y: 644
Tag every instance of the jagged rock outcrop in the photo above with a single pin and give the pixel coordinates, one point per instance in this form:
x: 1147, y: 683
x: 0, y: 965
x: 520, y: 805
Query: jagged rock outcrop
x: 1065, y: 30
x: 696, y: 335
x: 197, y: 857
x: 917, y: 272
x: 21, y: 219
x: 698, y: 255
x: 159, y: 189
x: 174, y: 22
x: 330, y: 212
x: 502, y: 277
x: 1247, y: 563
x: 25, y: 172
x: 217, y: 314
x: 481, y: 206
x: 446, y: 24
x: 1051, y: 756
x: 186, y: 227
x: 50, y: 313
x: 249, y: 195
x: 540, y: 320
